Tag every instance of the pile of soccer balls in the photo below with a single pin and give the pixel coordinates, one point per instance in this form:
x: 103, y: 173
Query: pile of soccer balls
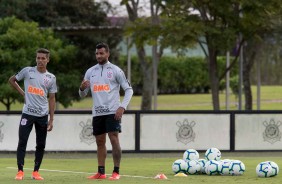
x: 213, y: 165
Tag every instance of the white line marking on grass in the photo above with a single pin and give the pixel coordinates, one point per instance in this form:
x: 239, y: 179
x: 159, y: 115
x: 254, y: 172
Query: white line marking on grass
x: 77, y: 172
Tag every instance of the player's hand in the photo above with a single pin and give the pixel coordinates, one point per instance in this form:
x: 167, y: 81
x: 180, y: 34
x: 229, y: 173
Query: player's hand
x: 119, y: 113
x: 50, y: 125
x: 84, y: 84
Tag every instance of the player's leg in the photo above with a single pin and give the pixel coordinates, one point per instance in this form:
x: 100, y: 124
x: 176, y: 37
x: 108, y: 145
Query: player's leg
x: 99, y: 131
x: 41, y: 134
x: 25, y: 128
x: 113, y: 129
x: 101, y: 151
x: 116, y: 149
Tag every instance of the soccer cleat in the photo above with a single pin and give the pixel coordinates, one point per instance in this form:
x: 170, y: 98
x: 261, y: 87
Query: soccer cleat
x: 98, y: 176
x: 20, y: 175
x: 115, y: 176
x: 36, y: 176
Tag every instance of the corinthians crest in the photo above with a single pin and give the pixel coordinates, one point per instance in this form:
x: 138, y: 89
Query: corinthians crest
x: 1, y: 134
x: 272, y: 133
x: 86, y: 134
x: 185, y: 133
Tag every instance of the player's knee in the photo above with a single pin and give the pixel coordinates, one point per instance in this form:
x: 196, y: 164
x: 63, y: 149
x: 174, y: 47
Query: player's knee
x: 40, y: 147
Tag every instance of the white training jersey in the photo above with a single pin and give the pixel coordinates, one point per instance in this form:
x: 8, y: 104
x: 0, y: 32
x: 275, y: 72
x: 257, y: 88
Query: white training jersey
x: 36, y: 86
x: 105, y: 82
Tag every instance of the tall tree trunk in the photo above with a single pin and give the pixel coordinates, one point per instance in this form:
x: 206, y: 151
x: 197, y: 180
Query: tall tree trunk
x: 247, y: 84
x: 147, y: 89
x: 214, y: 80
x: 252, y: 50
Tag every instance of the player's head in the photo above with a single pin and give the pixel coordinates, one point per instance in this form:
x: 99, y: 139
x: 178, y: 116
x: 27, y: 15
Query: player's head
x: 43, y: 51
x: 102, y: 53
x: 103, y: 45
x: 42, y: 57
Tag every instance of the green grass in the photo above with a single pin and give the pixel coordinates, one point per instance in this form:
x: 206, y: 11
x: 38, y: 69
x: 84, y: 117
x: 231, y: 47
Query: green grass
x: 271, y: 98
x: 146, y: 165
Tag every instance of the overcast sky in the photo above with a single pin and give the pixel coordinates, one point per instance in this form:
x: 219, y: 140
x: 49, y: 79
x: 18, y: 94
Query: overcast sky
x: 121, y: 10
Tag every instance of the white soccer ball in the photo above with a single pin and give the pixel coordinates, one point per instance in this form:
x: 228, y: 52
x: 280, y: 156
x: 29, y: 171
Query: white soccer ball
x: 212, y: 167
x: 179, y: 166
x: 236, y: 167
x: 193, y: 167
x: 191, y: 154
x: 264, y: 169
x: 213, y: 154
x: 202, y: 163
x: 224, y: 167
x: 275, y: 168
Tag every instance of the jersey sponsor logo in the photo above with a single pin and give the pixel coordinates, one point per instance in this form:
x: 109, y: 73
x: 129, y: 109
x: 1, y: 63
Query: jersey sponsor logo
x: 34, y: 110
x: 35, y: 91
x: 101, y: 109
x: 101, y: 87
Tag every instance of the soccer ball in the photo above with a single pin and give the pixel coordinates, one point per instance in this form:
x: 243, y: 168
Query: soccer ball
x: 213, y: 154
x: 193, y: 167
x: 202, y: 163
x: 224, y: 167
x: 275, y: 168
x: 236, y: 167
x: 179, y: 166
x: 190, y: 154
x: 212, y: 167
x: 264, y: 169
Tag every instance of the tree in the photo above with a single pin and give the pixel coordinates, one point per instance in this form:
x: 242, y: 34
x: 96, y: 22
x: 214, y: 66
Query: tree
x: 144, y: 31
x: 73, y: 14
x: 19, y: 41
x: 216, y: 26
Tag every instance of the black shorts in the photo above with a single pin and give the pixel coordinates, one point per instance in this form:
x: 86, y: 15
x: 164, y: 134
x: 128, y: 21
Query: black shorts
x: 105, y: 124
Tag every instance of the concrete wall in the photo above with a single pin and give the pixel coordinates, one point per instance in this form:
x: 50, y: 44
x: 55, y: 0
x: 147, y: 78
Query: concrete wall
x: 157, y: 131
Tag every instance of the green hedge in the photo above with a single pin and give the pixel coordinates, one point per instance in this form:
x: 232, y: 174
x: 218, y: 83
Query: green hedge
x: 176, y: 75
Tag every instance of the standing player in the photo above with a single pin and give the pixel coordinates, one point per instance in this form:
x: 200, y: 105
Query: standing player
x: 38, y: 84
x: 104, y: 81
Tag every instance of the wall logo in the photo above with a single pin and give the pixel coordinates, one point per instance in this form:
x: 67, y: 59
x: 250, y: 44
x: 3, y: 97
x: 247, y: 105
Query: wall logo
x: 272, y: 133
x: 86, y: 134
x: 1, y: 134
x: 185, y: 133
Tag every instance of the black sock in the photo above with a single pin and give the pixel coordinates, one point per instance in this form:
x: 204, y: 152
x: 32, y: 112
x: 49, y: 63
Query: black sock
x: 36, y: 166
x: 20, y: 167
x: 116, y: 169
x: 101, y: 169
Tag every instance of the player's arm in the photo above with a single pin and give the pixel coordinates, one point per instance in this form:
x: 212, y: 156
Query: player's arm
x: 15, y: 85
x: 84, y: 88
x: 52, y: 105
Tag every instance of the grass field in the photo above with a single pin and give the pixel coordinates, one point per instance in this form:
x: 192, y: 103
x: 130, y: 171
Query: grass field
x: 271, y: 98
x: 135, y: 168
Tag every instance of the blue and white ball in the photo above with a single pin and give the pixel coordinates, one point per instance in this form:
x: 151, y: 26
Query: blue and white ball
x: 202, y: 163
x: 236, y: 168
x: 264, y: 169
x: 179, y: 166
x: 213, y: 154
x: 193, y: 167
x: 212, y: 167
x: 191, y: 154
x: 224, y: 167
x: 275, y: 168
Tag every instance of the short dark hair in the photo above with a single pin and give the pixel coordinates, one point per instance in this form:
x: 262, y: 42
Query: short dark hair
x: 103, y: 45
x: 44, y: 51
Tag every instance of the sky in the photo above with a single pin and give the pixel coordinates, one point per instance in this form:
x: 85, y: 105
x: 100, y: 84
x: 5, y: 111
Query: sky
x: 121, y: 10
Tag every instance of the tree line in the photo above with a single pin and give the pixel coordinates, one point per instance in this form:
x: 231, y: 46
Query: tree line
x: 217, y: 26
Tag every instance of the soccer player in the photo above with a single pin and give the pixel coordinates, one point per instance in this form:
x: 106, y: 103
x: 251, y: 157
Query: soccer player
x: 38, y: 85
x: 104, y: 81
